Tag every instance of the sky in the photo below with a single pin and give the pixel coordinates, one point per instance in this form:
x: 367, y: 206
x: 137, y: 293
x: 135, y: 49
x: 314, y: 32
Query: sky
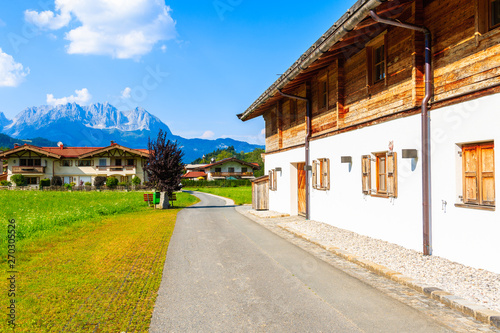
x: 193, y: 64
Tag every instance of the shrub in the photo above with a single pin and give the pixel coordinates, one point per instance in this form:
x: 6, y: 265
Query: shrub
x: 125, y: 184
x: 216, y: 183
x: 44, y: 182
x: 99, y: 181
x: 19, y: 180
x: 88, y: 184
x: 136, y: 180
x: 5, y: 183
x: 57, y: 181
x: 111, y: 182
x: 72, y: 184
x: 68, y: 186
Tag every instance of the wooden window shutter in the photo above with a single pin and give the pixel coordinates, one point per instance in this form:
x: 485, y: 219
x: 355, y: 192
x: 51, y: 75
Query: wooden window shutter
x: 487, y: 175
x: 470, y: 183
x: 275, y: 180
x: 325, y: 173
x: 392, y: 175
x: 366, y: 177
x: 315, y: 174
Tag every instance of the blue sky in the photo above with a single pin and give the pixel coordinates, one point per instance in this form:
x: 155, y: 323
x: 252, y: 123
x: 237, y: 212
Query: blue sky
x: 193, y: 64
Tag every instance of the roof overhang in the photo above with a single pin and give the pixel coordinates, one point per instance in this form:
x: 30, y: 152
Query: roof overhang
x: 114, y: 146
x: 345, y: 33
x: 25, y: 147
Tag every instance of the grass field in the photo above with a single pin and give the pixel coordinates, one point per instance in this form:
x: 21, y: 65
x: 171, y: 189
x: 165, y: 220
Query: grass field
x: 241, y: 195
x: 100, y: 273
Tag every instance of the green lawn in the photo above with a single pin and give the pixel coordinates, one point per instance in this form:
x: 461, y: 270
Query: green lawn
x: 97, y: 267
x: 241, y: 195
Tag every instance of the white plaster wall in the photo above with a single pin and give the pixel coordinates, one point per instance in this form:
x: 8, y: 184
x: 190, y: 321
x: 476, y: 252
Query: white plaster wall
x: 465, y: 235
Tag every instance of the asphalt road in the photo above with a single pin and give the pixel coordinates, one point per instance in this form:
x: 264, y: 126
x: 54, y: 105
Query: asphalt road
x: 225, y: 273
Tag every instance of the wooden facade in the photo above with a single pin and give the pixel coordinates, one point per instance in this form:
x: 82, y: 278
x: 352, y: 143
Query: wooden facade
x: 465, y: 59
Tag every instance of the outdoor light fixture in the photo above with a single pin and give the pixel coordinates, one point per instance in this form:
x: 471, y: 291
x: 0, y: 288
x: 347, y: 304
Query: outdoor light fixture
x: 278, y: 169
x: 346, y: 159
x: 410, y: 153
x: 308, y: 168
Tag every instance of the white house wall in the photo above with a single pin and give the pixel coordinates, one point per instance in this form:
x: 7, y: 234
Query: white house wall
x: 465, y: 235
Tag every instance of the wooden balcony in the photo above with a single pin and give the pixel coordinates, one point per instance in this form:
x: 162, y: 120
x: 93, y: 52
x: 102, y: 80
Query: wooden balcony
x: 28, y: 169
x: 232, y: 174
x: 115, y: 168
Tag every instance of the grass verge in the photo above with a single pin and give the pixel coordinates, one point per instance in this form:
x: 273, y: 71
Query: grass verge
x: 94, y: 277
x: 241, y: 195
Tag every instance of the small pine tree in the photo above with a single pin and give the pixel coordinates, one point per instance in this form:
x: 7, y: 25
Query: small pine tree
x: 164, y: 166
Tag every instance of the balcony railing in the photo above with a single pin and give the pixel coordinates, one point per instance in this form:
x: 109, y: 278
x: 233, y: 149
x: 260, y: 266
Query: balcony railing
x: 28, y: 169
x: 115, y: 167
x: 232, y: 174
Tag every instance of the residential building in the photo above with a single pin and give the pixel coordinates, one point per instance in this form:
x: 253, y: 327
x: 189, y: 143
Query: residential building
x: 77, y: 165
x: 228, y: 168
x: 369, y: 132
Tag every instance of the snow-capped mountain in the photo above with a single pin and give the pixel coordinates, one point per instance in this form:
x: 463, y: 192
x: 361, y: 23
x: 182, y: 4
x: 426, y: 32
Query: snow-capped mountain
x: 4, y: 121
x: 96, y: 125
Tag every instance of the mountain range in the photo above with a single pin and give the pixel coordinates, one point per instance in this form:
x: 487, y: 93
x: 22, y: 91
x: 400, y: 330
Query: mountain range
x: 98, y: 124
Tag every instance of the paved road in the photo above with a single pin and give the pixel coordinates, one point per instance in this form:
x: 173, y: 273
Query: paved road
x: 225, y: 273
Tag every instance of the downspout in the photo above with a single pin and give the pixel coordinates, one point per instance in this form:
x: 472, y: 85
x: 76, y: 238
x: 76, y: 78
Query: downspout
x: 308, y: 137
x: 426, y: 136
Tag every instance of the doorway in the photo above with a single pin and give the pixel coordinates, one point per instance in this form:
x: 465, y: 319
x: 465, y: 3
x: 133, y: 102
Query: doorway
x: 301, y: 188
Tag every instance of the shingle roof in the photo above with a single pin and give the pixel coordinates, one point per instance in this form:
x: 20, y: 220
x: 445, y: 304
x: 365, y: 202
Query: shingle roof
x: 194, y: 174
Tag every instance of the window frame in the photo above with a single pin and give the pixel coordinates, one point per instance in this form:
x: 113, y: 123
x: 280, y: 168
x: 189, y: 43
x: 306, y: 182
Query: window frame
x: 273, y: 184
x: 492, y: 26
x: 390, y: 173
x: 321, y: 174
x: 80, y: 163
x: 371, y: 49
x: 479, y: 175
x: 66, y: 163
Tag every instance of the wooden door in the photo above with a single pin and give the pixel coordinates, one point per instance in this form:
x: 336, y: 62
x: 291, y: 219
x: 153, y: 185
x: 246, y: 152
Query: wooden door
x: 301, y: 190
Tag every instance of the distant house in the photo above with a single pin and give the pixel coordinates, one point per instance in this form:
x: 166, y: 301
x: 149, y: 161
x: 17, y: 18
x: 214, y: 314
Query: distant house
x: 229, y: 168
x: 75, y: 164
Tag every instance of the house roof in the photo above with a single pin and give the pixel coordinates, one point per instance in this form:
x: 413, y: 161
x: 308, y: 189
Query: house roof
x: 233, y: 159
x: 71, y: 152
x: 194, y: 174
x: 346, y: 36
x: 114, y: 146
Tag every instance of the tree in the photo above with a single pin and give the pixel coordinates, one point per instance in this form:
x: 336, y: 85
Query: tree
x: 19, y: 180
x: 164, y: 165
x: 136, y: 181
x: 111, y: 182
x: 99, y: 181
x: 57, y: 181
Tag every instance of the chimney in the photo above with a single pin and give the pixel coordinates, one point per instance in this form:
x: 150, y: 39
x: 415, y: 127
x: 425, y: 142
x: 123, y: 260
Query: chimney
x: 61, y: 145
x: 16, y: 145
x: 113, y: 143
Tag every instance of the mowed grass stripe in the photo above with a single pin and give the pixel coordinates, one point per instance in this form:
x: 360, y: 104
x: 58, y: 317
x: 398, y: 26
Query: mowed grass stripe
x: 102, y: 277
x: 241, y: 195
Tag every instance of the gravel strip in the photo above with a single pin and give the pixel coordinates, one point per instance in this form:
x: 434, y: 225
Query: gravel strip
x: 476, y: 285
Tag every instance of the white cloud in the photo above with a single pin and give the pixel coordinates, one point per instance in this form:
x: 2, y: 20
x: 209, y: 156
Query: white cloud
x: 126, y: 92
x: 11, y: 73
x: 82, y: 97
x: 163, y: 48
x: 120, y: 29
x: 208, y: 135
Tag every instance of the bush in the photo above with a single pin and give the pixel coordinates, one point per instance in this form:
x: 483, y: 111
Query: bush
x: 44, y: 183
x: 5, y: 183
x: 19, y: 180
x: 111, y: 182
x: 125, y: 184
x: 99, y: 181
x: 88, y: 184
x: 68, y: 186
x: 136, y: 181
x: 57, y: 181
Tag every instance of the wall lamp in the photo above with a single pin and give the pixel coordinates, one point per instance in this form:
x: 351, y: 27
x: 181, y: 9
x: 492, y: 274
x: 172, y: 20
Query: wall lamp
x: 278, y: 169
x: 348, y: 160
x: 410, y: 153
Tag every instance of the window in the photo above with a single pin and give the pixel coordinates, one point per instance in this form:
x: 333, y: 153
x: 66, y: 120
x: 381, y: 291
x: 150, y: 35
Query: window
x: 272, y: 180
x: 102, y: 162
x: 323, y: 92
x: 218, y: 169
x: 118, y: 162
x: 66, y: 163
x: 230, y: 169
x: 385, y: 180
x: 478, y: 174
x: 293, y: 111
x: 494, y: 13
x: 130, y: 162
x: 376, y: 60
x: 84, y: 163
x: 244, y: 169
x: 30, y: 162
x: 31, y: 180
x: 321, y: 174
